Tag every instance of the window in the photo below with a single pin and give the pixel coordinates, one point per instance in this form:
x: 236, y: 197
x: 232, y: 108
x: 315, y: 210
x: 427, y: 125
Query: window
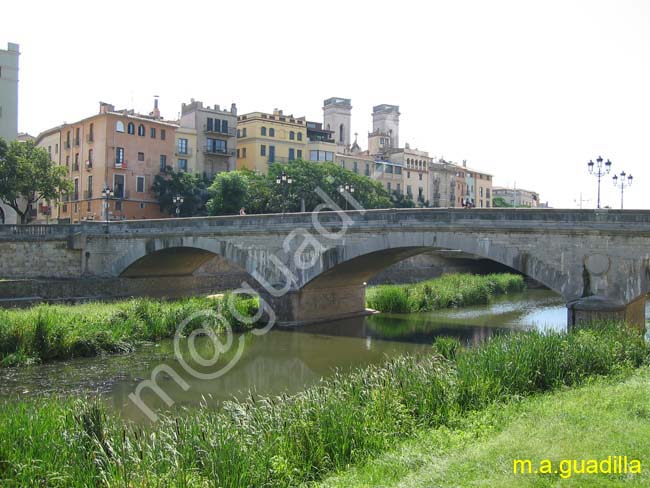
x: 88, y: 206
x: 182, y: 146
x: 243, y: 132
x: 49, y: 151
x: 67, y: 161
x: 119, y: 156
x: 299, y: 152
x: 300, y: 136
x: 182, y: 165
x: 263, y: 131
x: 355, y: 167
x: 367, y: 171
x: 388, y: 186
x: 216, y: 146
x: 238, y: 154
x: 152, y: 132
x: 76, y: 189
x: 76, y: 161
x: 130, y: 128
x: 292, y: 154
x: 321, y: 156
x: 420, y: 193
x: 420, y: 175
x: 292, y: 135
x: 243, y: 152
x: 271, y: 154
x: 342, y: 163
x: 162, y: 134
x: 56, y: 148
x: 224, y: 126
x: 76, y: 136
x: 142, y: 205
x: 409, y: 191
x: 141, y: 130
x: 91, y: 135
x: 89, y: 188
x: 238, y: 132
x: 341, y: 130
x: 398, y: 170
x: 271, y: 132
x: 398, y: 189
x: 209, y: 125
x: 118, y: 186
x: 139, y: 184
x: 163, y: 162
x: 263, y: 150
x: 119, y: 127
x: 140, y: 156
x: 90, y: 158
x: 480, y: 192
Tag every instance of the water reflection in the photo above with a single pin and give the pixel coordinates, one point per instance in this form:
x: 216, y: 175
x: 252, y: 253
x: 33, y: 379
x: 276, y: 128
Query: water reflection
x: 282, y: 361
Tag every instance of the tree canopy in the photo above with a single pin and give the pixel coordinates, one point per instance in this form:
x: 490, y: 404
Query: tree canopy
x: 262, y: 194
x: 27, y: 175
x: 193, y: 188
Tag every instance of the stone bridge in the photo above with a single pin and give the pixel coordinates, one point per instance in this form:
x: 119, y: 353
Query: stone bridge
x: 313, y: 267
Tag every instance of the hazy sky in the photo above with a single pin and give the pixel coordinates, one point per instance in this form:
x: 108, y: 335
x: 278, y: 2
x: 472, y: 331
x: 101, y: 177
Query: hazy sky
x: 529, y: 91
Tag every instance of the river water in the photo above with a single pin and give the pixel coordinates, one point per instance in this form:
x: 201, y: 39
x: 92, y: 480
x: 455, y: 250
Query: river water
x: 280, y: 361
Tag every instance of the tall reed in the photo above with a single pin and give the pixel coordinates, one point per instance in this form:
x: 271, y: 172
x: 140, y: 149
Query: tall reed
x: 290, y: 440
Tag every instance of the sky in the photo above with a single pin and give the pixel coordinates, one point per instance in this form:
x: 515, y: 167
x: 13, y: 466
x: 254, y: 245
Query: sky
x: 529, y: 91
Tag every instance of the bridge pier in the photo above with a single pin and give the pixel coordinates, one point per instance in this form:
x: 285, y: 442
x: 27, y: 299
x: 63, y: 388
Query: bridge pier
x: 308, y: 306
x: 598, y: 308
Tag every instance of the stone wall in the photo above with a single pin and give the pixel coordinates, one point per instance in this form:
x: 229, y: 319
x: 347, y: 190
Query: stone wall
x: 52, y: 258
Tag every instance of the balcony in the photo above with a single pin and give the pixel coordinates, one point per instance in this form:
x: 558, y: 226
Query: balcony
x: 218, y: 151
x: 121, y: 164
x: 121, y: 195
x: 181, y: 154
x: 88, y: 194
x: 89, y: 165
x: 90, y: 138
x: 66, y: 145
x: 229, y: 132
x: 75, y: 167
x: 76, y: 141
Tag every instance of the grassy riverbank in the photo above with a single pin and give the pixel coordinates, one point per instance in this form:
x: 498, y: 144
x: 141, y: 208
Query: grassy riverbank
x: 454, y: 290
x: 607, y: 417
x: 48, y: 332
x: 287, y: 441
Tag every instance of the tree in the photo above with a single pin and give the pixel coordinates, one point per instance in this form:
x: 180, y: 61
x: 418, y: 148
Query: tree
x: 401, y: 200
x: 27, y: 175
x: 500, y: 202
x: 193, y: 188
x: 229, y: 193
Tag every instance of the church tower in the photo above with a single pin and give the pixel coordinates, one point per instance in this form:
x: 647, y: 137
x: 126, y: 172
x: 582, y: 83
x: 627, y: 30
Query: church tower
x: 337, y: 117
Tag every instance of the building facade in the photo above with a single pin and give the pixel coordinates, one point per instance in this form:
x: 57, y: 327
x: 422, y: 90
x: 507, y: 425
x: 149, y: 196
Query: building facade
x: 187, y: 153
x: 264, y: 139
x: 9, y: 91
x: 517, y: 197
x: 119, y: 150
x: 444, y: 184
x: 216, y: 136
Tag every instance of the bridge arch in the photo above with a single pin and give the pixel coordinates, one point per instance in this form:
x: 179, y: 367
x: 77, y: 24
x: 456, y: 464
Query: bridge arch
x: 359, y: 261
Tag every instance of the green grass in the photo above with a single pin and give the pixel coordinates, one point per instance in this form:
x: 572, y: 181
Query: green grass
x: 607, y: 417
x: 286, y: 441
x: 50, y: 332
x: 454, y: 290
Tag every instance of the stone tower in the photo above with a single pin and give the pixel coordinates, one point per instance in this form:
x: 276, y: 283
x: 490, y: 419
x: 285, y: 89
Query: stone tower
x: 385, y: 120
x: 337, y: 117
x: 9, y: 92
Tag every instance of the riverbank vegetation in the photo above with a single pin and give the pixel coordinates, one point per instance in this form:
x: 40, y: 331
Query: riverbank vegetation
x: 453, y: 290
x: 286, y: 441
x: 48, y: 332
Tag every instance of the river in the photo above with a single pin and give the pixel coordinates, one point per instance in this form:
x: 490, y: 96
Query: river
x: 280, y: 361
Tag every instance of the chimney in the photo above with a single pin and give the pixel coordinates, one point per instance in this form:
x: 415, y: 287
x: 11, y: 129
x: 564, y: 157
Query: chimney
x: 464, y: 163
x: 156, y: 111
x: 106, y: 107
x: 233, y: 109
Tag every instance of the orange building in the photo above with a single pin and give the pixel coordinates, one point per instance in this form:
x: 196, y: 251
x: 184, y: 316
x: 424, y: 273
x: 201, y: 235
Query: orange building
x: 119, y: 150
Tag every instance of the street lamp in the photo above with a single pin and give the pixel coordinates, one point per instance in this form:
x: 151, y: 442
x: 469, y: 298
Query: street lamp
x: 283, y: 180
x: 623, y: 183
x: 107, y: 193
x: 178, y: 201
x: 600, y: 171
x: 348, y: 188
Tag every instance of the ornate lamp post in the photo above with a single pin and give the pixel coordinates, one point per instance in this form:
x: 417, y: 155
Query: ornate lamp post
x: 600, y: 171
x: 623, y: 183
x: 283, y: 181
x: 107, y: 194
x: 178, y: 201
x: 346, y: 188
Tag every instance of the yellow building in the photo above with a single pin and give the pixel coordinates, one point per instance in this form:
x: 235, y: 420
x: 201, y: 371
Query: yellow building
x: 264, y: 139
x: 185, y: 154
